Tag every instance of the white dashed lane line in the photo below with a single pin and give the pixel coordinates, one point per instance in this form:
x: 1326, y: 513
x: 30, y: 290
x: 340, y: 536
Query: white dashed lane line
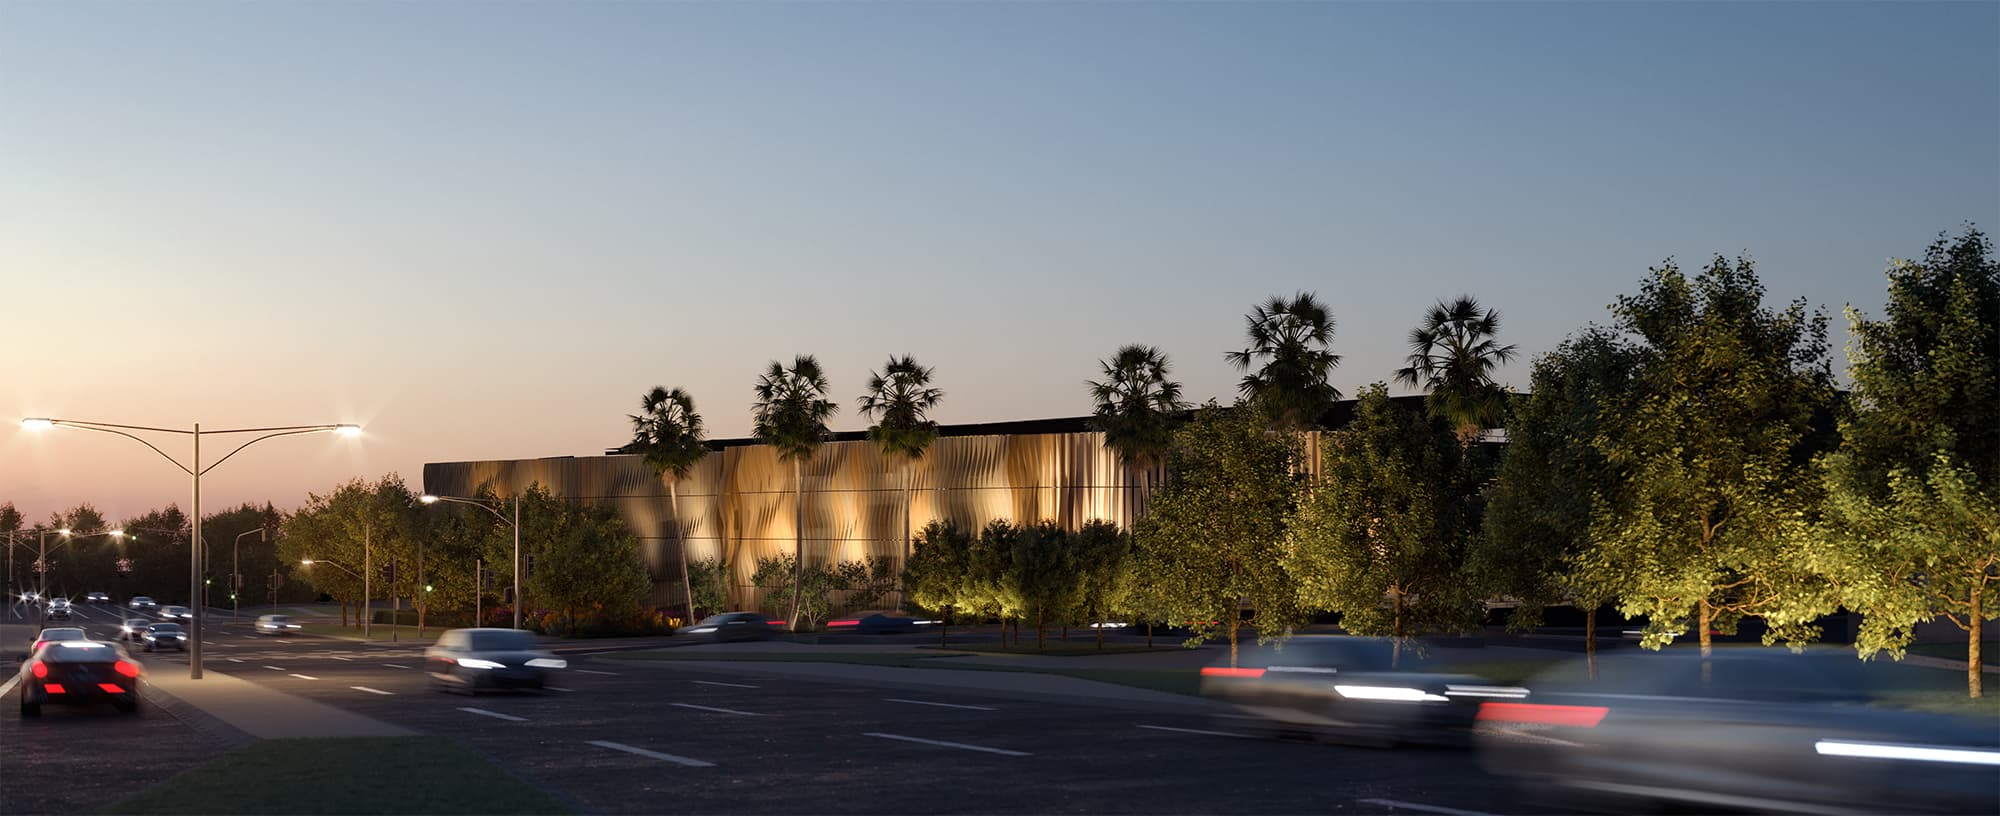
x: 730, y: 685
x: 338, y: 657
x: 235, y: 660
x: 494, y: 714
x: 939, y: 705
x: 1420, y: 808
x: 275, y: 668
x: 1194, y: 731
x: 558, y: 688
x: 677, y: 760
x: 717, y: 710
x: 943, y: 744
x: 304, y: 676
x: 594, y: 671
x: 395, y: 666
x: 373, y: 691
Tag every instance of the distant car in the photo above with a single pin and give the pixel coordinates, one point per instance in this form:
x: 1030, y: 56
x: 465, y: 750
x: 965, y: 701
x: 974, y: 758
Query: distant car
x: 57, y: 633
x: 78, y: 672
x: 164, y: 636
x: 876, y: 623
x: 58, y: 609
x: 473, y: 660
x: 733, y: 626
x: 175, y: 613
x: 276, y: 625
x: 131, y: 630
x: 31, y: 596
x: 1353, y: 689
x: 97, y: 597
x: 142, y: 602
x: 1747, y: 729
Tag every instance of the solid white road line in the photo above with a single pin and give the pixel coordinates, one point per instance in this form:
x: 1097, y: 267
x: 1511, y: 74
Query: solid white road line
x: 275, y: 668
x: 1194, y: 731
x: 939, y: 705
x: 943, y: 744
x: 1391, y: 803
x: 394, y: 666
x: 373, y: 691
x: 304, y: 676
x: 594, y: 671
x: 731, y: 685
x: 717, y: 710
x: 678, y: 760
x: 558, y: 688
x: 494, y: 714
x: 9, y: 685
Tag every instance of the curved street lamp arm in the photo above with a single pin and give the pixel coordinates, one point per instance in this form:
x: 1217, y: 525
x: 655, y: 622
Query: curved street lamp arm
x: 481, y: 505
x: 239, y: 448
x: 291, y: 428
x: 335, y: 566
x: 113, y: 429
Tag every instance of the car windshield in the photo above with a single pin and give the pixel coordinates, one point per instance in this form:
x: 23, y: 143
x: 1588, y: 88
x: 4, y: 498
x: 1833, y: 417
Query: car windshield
x: 497, y: 640
x: 79, y: 652
x: 63, y: 633
x: 278, y: 619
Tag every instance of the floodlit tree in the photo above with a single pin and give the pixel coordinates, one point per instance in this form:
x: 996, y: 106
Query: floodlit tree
x: 1708, y: 520
x: 1042, y: 574
x: 1137, y: 408
x: 991, y: 561
x: 1538, y: 549
x: 902, y: 396
x: 667, y: 434
x: 1452, y: 358
x: 1383, y: 539
x: 352, y: 527
x: 939, y: 573
x: 1915, y: 486
x: 711, y: 578
x: 790, y: 415
x: 1289, y: 359
x: 1103, y: 557
x: 1214, y: 539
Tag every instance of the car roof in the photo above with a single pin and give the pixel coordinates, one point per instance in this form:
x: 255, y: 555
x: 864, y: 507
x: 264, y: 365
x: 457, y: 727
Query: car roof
x: 63, y: 631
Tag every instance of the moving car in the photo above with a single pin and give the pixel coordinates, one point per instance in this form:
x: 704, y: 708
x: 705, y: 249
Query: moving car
x: 141, y: 602
x: 472, y: 660
x: 31, y: 596
x: 1755, y: 729
x: 877, y: 622
x: 164, y: 636
x: 1354, y: 689
x: 733, y: 626
x: 175, y: 613
x: 97, y: 597
x: 276, y: 625
x: 58, y: 609
x: 132, y: 629
x: 78, y: 672
x: 56, y: 633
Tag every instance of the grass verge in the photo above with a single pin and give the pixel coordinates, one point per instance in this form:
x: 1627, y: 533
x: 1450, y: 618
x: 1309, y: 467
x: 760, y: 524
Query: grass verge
x: 343, y: 776
x: 1175, y: 681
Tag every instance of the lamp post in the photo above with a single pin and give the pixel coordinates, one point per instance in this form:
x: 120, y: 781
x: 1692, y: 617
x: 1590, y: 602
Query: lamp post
x: 428, y: 498
x: 196, y: 471
x: 235, y: 578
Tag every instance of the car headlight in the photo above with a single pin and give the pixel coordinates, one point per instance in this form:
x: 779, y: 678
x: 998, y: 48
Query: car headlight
x: 476, y: 663
x: 699, y: 629
x: 1407, y: 695
x: 549, y: 663
x: 291, y: 626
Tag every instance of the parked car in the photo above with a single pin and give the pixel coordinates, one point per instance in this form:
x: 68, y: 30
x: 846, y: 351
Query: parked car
x: 878, y: 622
x: 131, y: 630
x: 1748, y: 728
x: 141, y: 602
x: 97, y: 597
x: 1353, y: 689
x: 733, y: 626
x: 164, y: 636
x: 474, y: 660
x: 175, y: 613
x: 78, y: 672
x: 276, y: 625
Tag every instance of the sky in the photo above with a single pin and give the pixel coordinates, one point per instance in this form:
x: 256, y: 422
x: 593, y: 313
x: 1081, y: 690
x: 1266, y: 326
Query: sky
x: 484, y: 229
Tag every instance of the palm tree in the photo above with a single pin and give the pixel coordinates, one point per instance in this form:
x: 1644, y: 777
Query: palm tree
x: 1137, y: 407
x: 791, y: 413
x: 1290, y: 350
x: 667, y: 434
x: 1452, y: 356
x: 902, y: 395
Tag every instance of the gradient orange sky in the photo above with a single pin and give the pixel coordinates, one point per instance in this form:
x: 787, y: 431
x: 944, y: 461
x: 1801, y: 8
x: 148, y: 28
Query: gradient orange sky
x: 482, y: 230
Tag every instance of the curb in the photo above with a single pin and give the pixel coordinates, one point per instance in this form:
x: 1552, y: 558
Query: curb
x: 202, y: 722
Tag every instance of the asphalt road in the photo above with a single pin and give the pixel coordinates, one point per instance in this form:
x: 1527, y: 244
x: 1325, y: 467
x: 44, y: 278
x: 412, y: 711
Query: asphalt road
x: 649, y: 737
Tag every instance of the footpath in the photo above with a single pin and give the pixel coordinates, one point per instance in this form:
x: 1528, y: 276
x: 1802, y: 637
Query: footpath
x: 237, y: 711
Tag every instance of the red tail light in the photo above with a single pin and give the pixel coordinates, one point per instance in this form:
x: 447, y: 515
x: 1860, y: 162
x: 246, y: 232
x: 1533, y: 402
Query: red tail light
x: 1225, y: 671
x: 831, y: 624
x: 54, y: 688
x: 40, y: 669
x: 127, y: 668
x: 774, y: 623
x: 111, y: 687
x: 1576, y: 716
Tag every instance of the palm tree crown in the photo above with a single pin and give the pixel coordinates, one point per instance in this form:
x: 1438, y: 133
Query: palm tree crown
x: 667, y: 432
x: 1452, y: 356
x: 1290, y: 346
x: 1137, y: 405
x: 792, y: 409
x: 903, y: 397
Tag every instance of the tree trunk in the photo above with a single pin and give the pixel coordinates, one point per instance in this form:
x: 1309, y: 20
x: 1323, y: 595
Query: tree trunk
x: 343, y: 613
x: 1149, y: 634
x: 1233, y: 619
x: 944, y: 627
x: 1041, y: 626
x: 1396, y: 643
x: 680, y: 540
x: 798, y: 537
x: 1100, y: 630
x: 1707, y: 669
x: 1974, y: 684
x: 1590, y: 641
x: 909, y: 479
x: 1065, y: 630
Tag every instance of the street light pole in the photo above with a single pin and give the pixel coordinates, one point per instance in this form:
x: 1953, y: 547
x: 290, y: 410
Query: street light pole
x: 235, y: 582
x: 428, y: 498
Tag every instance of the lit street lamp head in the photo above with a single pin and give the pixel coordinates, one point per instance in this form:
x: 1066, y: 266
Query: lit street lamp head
x: 306, y: 561
x: 347, y: 430
x: 427, y: 499
x: 37, y: 423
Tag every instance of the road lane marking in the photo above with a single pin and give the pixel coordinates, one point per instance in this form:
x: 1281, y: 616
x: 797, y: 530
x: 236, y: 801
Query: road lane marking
x: 678, y: 760
x: 594, y: 671
x: 494, y: 714
x: 558, y: 688
x: 717, y: 710
x: 275, y: 668
x: 1391, y: 803
x: 714, y: 683
x: 9, y: 685
x: 943, y: 744
x: 939, y: 705
x: 373, y: 691
x: 304, y: 676
x: 1195, y: 731
x: 338, y: 657
x: 394, y: 666
x: 235, y: 660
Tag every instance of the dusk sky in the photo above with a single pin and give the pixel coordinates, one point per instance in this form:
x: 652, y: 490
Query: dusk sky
x: 483, y: 229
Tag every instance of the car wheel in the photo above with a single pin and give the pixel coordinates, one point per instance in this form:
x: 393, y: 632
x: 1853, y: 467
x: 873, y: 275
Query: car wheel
x: 128, y: 707
x: 29, y: 709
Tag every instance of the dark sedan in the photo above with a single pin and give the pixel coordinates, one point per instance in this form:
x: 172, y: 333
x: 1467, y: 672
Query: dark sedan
x: 876, y: 623
x: 475, y: 660
x: 733, y: 626
x: 1353, y: 689
x: 78, y: 672
x: 164, y: 636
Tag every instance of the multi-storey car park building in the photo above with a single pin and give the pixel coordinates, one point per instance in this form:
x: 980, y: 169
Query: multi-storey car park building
x: 739, y: 501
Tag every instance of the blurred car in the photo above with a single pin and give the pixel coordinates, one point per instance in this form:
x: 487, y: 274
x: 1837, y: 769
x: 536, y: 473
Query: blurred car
x: 141, y: 602
x: 474, y: 660
x: 164, y: 636
x: 78, y: 672
x: 96, y: 597
x: 56, y: 633
x: 58, y: 609
x: 31, y: 596
x: 276, y: 625
x: 1352, y: 689
x: 131, y: 630
x: 880, y: 622
x: 733, y: 626
x: 1755, y: 729
x: 175, y: 613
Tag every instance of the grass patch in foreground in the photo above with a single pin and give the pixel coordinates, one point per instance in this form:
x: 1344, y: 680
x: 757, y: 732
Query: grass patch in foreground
x: 1175, y: 681
x: 343, y: 776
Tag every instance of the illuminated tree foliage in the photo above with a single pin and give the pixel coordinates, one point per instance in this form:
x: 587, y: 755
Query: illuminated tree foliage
x: 1914, y: 489
x: 1214, y: 539
x: 1708, y: 520
x: 939, y: 573
x: 667, y: 433
x: 1103, y: 558
x: 359, y: 527
x: 585, y: 557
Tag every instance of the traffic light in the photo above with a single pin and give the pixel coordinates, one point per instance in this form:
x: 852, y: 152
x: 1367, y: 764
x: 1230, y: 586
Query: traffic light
x: 531, y: 565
